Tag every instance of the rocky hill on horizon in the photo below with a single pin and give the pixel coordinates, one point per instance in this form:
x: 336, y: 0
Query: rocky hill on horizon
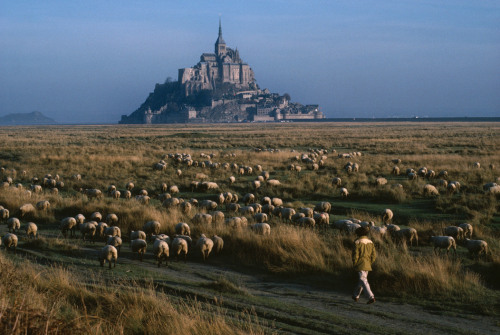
x: 33, y: 118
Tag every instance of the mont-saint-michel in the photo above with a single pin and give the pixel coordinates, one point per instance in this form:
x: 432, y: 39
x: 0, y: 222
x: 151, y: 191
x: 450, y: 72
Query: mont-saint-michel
x: 220, y: 88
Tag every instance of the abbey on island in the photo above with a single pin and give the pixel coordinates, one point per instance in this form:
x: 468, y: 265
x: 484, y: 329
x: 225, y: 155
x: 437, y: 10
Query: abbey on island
x: 220, y: 88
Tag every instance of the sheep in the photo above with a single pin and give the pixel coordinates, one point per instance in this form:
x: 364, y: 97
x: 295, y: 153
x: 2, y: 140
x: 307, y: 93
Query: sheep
x: 396, y: 161
x: 392, y: 228
x: 379, y: 231
x: 43, y: 205
x: 261, y: 217
x: 116, y: 194
x: 205, y: 245
x: 339, y: 224
x: 88, y: 229
x: 350, y: 227
x: 265, y: 175
x: 308, y: 212
x: 112, y: 219
x: 108, y: 253
x: 140, y: 246
x: 368, y: 224
x: 261, y: 228
x: 179, y: 245
x: 233, y: 207
x: 113, y: 231
x: 171, y: 203
x: 273, y: 182
x: 218, y: 217
x: 36, y: 188
x: 26, y: 209
x: 276, y: 202
x: 412, y: 176
x: 101, y: 228
x: 476, y: 247
x: 93, y: 193
x: 14, y: 225
x: 129, y: 186
x: 70, y: 224
x: 322, y: 219
x: 323, y: 206
x: 182, y: 229
x: 174, y: 189
x: 487, y: 186
x: 306, y: 222
x: 343, y: 192
x: 127, y: 194
x: 208, y: 185
x: 408, y: 234
x: 111, y: 188
x: 31, y: 230
x: 152, y: 228
x: 467, y: 228
x: 161, y: 251
x: 247, y: 210
x: 451, y: 188
x: 115, y: 241
x: 395, y: 171
x: 201, y: 218
x: 443, y: 242
x: 380, y: 181
x: 208, y: 205
x: 494, y: 190
x: 286, y: 214
x: 387, y: 215
x: 256, y: 207
x: 336, y: 181
x: 248, y: 198
x: 231, y: 179
x: 430, y: 190
x: 456, y: 232
x: 297, y: 216
x: 476, y: 165
x: 96, y: 216
x: 9, y: 241
x: 430, y: 174
x: 135, y: 234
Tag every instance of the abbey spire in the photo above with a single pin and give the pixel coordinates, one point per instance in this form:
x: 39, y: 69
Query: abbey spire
x: 220, y: 45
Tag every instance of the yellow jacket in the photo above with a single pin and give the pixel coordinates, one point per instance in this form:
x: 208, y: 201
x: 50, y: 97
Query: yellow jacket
x: 364, y: 254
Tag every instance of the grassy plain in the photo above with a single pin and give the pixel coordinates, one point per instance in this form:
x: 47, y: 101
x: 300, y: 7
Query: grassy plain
x: 56, y: 283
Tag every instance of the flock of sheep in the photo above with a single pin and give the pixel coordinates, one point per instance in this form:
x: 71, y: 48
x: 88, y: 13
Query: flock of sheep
x: 249, y: 211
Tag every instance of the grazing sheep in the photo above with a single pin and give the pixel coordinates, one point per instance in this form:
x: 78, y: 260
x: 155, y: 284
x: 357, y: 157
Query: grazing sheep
x: 476, y: 247
x: 70, y: 224
x: 261, y: 228
x: 406, y: 234
x: 9, y: 241
x: 247, y: 210
x: 127, y: 194
x: 152, y: 228
x: 233, y: 222
x: 494, y: 190
x: 101, y: 228
x: 286, y: 214
x: 323, y: 206
x: 487, y: 186
x: 108, y: 253
x: 276, y: 202
x: 208, y: 205
x: 113, y: 231
x: 205, y: 245
x: 25, y: 210
x: 111, y: 188
x: 93, y: 193
x: 256, y: 207
x: 130, y: 185
x: 265, y: 175
x: 443, y: 174
x: 343, y: 192
x: 378, y: 231
x: 88, y: 229
x: 248, y: 198
x: 336, y: 181
x: 273, y: 182
x: 115, y: 241
x: 14, y: 225
x: 392, y: 228
x: 116, y: 194
x: 456, y: 232
x: 112, y: 219
x: 443, y: 242
x: 231, y: 179
x: 396, y: 161
x: 140, y: 246
x: 31, y: 230
x: 179, y: 245
x: 350, y: 227
x: 412, y: 176
x: 395, y: 171
x: 43, y: 205
x: 467, y: 228
x: 218, y: 217
x: 367, y: 224
x: 36, y: 188
x: 161, y: 251
x: 387, y: 215
x: 201, y: 218
x: 232, y: 207
x: 476, y: 165
x: 308, y: 212
x: 261, y: 217
x: 430, y: 174
x: 174, y: 189
x: 297, y: 216
x: 135, y: 234
x: 306, y: 222
x: 218, y: 244
x: 430, y: 190
x: 182, y: 229
x: 96, y: 216
x: 381, y: 181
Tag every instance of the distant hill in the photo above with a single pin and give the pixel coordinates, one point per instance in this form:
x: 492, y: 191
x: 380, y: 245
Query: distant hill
x: 32, y: 118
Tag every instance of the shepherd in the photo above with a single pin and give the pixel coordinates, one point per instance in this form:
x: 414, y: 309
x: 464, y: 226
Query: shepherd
x: 363, y: 256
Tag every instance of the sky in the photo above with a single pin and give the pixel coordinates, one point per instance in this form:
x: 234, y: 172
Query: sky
x: 93, y: 61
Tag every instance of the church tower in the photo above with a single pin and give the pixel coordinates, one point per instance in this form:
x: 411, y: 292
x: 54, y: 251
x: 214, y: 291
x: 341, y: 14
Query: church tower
x: 220, y: 45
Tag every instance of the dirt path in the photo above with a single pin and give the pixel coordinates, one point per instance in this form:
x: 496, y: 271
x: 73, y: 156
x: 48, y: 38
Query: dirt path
x: 302, y: 309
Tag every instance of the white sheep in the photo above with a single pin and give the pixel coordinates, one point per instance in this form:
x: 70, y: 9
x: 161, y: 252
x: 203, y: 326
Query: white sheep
x: 205, y: 245
x: 261, y: 217
x: 180, y: 245
x: 101, y: 228
x: 152, y: 228
x: 218, y: 244
x: 276, y: 202
x: 286, y: 213
x: 308, y: 212
x: 218, y: 217
x: 43, y: 205
x: 140, y: 246
x: 96, y: 216
x: 182, y: 228
x: 273, y: 182
x: 343, y: 192
x: 322, y: 219
x: 307, y: 222
x: 476, y: 247
x: 9, y: 241
x: 161, y: 251
x: 456, y: 232
x: 116, y: 194
x: 407, y: 234
x: 13, y: 224
x: 26, y: 209
x: 201, y: 218
x: 70, y: 224
x: 261, y: 228
x: 113, y: 231
x: 350, y: 227
x: 129, y: 186
x: 88, y: 229
x: 115, y: 241
x: 112, y: 219
x: 430, y: 190
x: 323, y: 206
x: 31, y: 230
x: 443, y: 242
x: 378, y: 231
x: 135, y: 234
x: 336, y: 181
x: 381, y: 181
x: 93, y: 193
x: 108, y: 253
x: 387, y: 215
x: 467, y: 228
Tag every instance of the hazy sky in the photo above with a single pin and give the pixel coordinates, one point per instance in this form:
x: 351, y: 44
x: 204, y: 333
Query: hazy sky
x: 92, y: 61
